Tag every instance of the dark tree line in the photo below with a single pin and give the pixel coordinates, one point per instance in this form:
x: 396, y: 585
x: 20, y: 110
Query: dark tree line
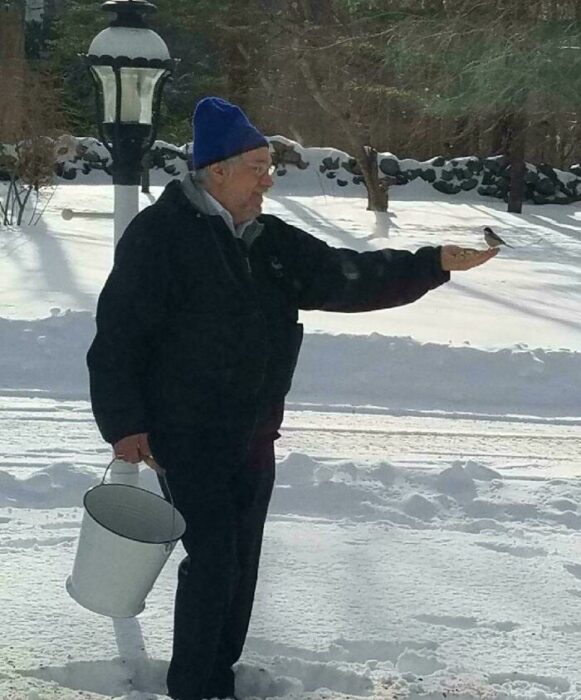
x: 418, y: 78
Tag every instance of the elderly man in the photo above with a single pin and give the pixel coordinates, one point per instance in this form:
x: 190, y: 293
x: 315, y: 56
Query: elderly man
x: 197, y: 341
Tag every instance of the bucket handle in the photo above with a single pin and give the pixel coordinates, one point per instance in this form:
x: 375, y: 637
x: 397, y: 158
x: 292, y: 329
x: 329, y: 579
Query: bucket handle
x: 167, y: 490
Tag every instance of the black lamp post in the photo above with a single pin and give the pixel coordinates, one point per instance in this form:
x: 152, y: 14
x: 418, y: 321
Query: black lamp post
x: 129, y: 64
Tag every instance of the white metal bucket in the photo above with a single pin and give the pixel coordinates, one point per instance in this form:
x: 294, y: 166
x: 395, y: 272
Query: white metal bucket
x: 127, y: 535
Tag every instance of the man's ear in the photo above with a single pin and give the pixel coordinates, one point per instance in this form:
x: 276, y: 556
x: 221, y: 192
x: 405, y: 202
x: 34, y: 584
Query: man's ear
x: 218, y: 172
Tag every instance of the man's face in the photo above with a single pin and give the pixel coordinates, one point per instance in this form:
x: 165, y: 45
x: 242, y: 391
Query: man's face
x: 240, y: 186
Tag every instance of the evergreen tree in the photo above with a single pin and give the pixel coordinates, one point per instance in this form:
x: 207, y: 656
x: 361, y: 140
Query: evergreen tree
x: 417, y: 77
x: 507, y: 66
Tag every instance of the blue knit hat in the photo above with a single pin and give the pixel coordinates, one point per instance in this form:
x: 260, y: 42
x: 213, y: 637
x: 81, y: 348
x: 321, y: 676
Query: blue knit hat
x: 222, y: 130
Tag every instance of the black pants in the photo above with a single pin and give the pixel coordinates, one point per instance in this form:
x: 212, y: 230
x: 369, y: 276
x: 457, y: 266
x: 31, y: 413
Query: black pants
x: 223, y: 494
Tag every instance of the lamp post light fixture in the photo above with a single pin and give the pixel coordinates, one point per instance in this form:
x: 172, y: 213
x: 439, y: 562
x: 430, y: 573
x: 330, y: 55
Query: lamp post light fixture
x: 129, y: 64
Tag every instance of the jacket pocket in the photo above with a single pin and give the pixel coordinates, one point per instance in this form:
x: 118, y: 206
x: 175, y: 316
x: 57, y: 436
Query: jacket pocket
x: 282, y: 361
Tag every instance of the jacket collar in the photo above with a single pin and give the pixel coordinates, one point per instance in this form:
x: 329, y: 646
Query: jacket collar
x: 206, y: 204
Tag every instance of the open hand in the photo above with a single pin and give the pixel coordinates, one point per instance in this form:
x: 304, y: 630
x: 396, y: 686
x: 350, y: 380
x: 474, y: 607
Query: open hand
x: 134, y: 449
x: 454, y: 257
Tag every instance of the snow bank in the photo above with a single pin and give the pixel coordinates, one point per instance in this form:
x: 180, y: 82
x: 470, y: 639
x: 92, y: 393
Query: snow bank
x: 48, y: 355
x: 402, y: 373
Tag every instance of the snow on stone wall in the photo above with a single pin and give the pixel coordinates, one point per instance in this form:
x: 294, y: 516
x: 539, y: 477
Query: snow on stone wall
x: 490, y: 177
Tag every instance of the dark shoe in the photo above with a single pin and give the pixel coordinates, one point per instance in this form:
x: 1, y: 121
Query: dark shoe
x: 221, y: 686
x: 206, y: 697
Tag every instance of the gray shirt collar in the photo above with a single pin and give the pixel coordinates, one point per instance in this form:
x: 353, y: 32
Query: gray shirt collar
x: 204, y: 202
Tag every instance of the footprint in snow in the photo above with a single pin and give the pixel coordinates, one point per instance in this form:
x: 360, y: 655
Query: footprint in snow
x: 35, y: 542
x: 574, y: 570
x: 63, y: 525
x: 454, y: 621
x: 568, y: 628
x: 465, y: 623
x: 350, y: 651
x: 110, y: 678
x: 516, y: 550
x: 516, y: 679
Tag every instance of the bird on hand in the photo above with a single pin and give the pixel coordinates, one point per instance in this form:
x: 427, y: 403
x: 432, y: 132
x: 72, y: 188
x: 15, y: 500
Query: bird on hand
x: 493, y: 240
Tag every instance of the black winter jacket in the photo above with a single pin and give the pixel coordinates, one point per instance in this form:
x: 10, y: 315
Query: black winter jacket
x: 196, y: 332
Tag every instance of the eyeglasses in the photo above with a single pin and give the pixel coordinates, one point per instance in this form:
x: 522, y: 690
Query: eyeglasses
x: 261, y: 170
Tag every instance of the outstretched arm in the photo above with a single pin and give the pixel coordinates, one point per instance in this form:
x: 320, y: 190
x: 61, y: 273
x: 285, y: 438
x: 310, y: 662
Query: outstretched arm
x: 340, y: 279
x: 380, y: 279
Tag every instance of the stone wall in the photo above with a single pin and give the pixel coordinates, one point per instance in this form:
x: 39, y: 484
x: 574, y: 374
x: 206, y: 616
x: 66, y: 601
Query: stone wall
x: 544, y: 184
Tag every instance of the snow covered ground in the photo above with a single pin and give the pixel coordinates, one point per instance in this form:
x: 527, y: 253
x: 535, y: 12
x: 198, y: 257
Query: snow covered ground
x: 424, y: 540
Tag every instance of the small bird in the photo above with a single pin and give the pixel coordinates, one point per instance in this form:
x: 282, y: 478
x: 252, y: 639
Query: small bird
x: 493, y: 240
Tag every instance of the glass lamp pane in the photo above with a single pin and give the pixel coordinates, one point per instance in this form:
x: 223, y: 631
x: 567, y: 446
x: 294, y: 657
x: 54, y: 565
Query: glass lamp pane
x: 106, y: 76
x: 137, y: 88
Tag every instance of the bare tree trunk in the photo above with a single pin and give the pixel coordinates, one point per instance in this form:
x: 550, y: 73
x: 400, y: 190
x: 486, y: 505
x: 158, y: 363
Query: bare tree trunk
x: 238, y: 48
x: 12, y: 70
x: 238, y: 75
x: 500, y: 136
x: 461, y: 145
x: 433, y: 6
x: 518, y: 124
x: 318, y: 11
x: 377, y: 197
x: 520, y: 9
x: 576, y: 150
x: 477, y: 140
x: 552, y: 142
x: 376, y: 192
x: 53, y: 9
